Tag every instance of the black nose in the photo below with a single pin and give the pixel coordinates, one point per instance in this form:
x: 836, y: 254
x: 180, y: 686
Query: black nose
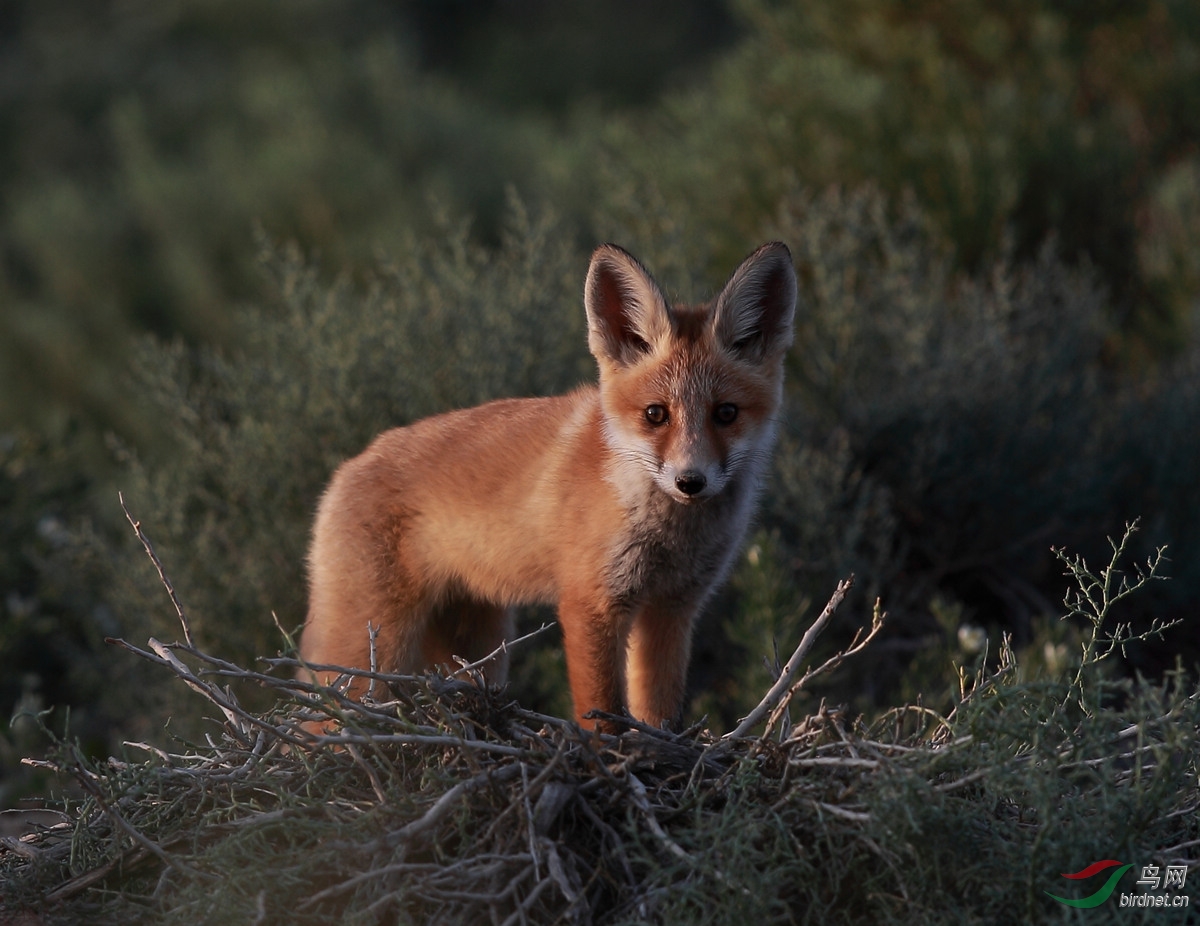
x: 690, y: 482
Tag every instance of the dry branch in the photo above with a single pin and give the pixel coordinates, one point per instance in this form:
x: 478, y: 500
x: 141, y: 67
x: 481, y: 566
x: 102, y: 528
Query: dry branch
x: 438, y: 799
x: 162, y: 573
x: 792, y: 666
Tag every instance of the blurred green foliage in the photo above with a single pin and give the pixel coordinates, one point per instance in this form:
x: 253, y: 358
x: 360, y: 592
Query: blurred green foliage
x: 1009, y: 122
x: 993, y: 207
x: 143, y: 143
x: 53, y: 619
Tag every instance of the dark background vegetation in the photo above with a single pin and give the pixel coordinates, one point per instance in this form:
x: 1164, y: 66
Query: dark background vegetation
x: 237, y: 241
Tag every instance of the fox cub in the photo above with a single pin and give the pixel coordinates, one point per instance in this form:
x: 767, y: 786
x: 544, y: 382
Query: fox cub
x: 623, y: 503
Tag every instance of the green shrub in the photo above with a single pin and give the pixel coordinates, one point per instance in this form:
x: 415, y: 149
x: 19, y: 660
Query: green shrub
x: 941, y: 430
x: 451, y: 802
x: 52, y: 624
x: 1010, y: 122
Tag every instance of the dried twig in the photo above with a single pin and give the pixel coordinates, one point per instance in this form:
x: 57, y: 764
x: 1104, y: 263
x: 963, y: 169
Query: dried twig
x: 466, y: 668
x: 792, y: 666
x: 857, y: 645
x: 162, y: 573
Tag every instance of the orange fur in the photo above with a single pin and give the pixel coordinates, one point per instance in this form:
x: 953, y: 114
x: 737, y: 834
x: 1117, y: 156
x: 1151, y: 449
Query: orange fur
x: 623, y: 503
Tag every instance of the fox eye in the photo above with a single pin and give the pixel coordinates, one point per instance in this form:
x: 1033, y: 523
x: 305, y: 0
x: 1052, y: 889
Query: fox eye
x: 725, y: 413
x: 656, y: 414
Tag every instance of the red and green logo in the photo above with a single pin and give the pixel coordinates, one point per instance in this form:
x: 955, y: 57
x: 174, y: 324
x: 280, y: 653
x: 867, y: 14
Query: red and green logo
x: 1100, y: 895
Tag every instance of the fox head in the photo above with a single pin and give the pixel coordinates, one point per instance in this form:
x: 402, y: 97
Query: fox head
x: 690, y: 393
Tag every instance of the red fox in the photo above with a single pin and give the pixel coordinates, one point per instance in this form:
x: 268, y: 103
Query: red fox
x: 623, y: 503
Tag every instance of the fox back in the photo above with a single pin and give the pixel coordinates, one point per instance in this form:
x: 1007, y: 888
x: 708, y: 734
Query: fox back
x: 623, y: 503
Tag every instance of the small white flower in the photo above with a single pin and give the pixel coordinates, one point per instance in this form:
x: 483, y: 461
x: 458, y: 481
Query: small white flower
x: 972, y: 639
x: 1055, y: 656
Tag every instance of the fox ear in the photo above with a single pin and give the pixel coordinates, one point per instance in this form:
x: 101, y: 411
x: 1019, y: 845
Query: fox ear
x: 626, y: 310
x: 754, y: 313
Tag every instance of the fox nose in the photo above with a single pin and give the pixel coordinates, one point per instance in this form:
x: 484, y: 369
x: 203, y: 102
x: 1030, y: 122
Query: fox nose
x: 690, y: 482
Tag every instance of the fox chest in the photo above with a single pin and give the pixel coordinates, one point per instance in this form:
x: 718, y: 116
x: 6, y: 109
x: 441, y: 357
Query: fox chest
x: 677, y: 552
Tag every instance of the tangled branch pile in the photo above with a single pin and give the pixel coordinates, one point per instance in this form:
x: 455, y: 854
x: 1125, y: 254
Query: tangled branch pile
x: 438, y: 800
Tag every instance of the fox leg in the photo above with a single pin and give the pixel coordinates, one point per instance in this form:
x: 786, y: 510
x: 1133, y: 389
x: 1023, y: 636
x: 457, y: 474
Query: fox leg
x: 593, y: 640
x: 361, y: 578
x: 469, y: 629
x: 660, y: 642
x: 340, y: 639
x: 345, y: 640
